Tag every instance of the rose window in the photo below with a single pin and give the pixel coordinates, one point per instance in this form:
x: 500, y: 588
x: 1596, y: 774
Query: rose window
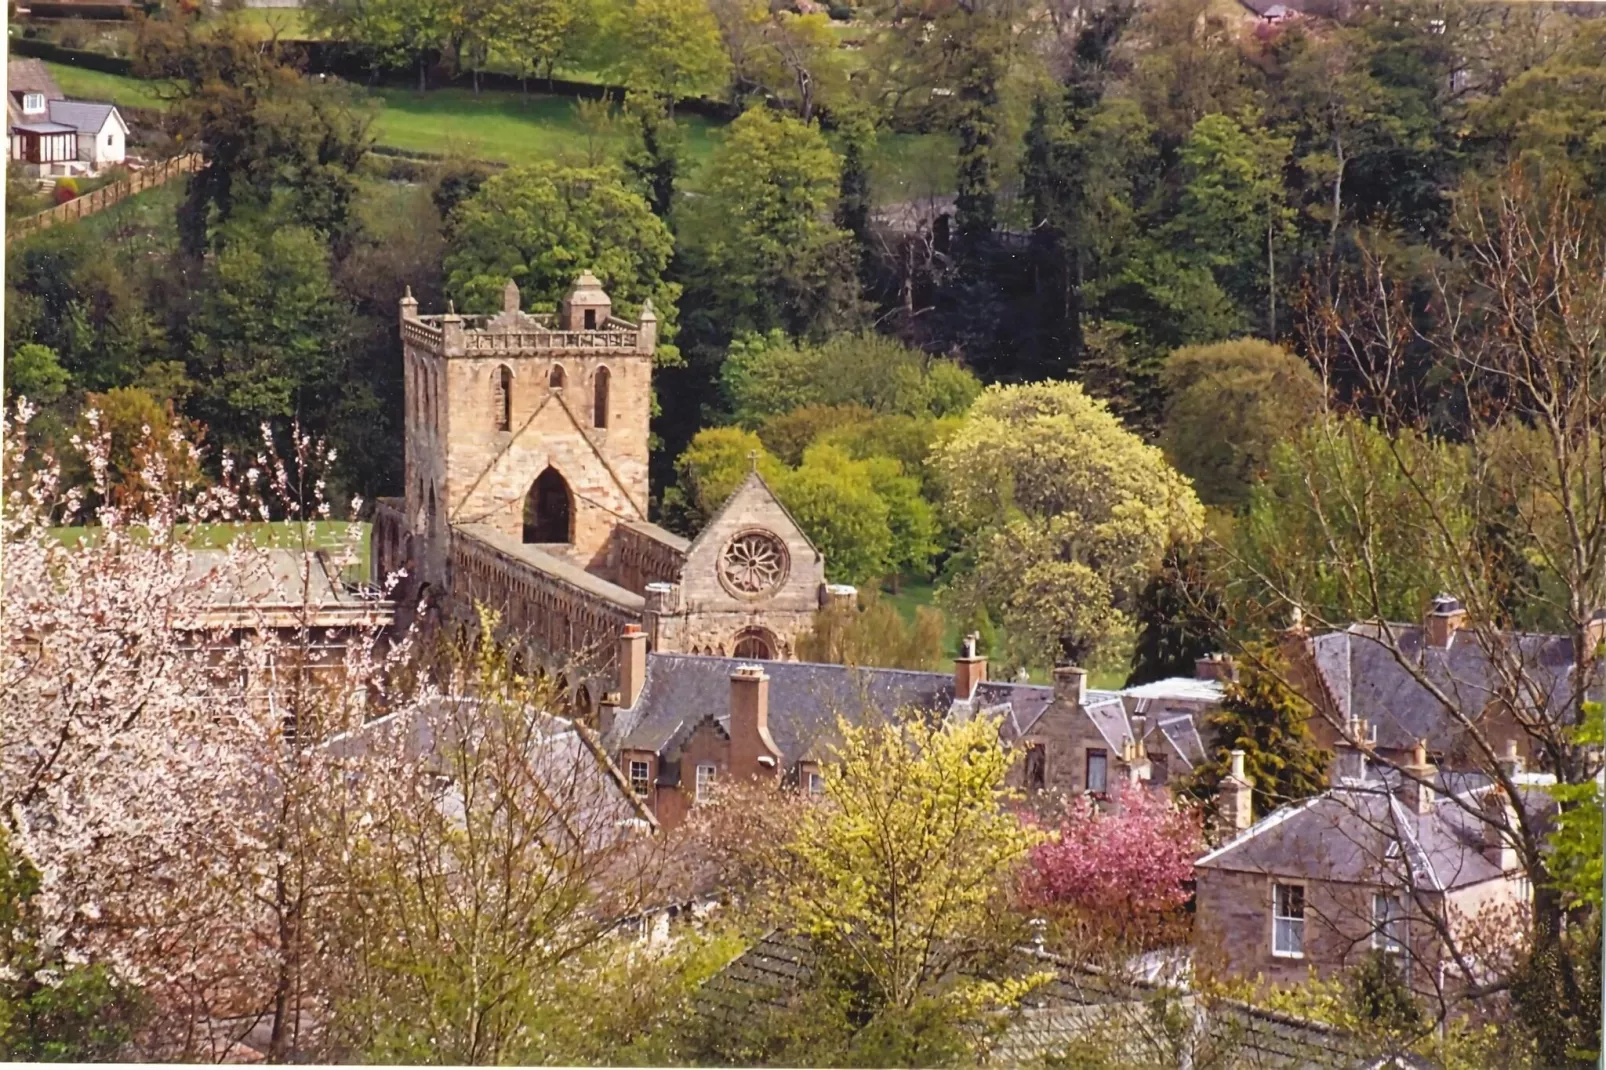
x: 753, y: 563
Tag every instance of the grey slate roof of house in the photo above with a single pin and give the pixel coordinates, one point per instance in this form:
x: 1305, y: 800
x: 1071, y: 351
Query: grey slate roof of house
x: 1183, y: 736
x: 1074, y: 1005
x: 1364, y: 834
x: 27, y: 76
x: 44, y: 128
x: 1365, y: 679
x: 682, y: 689
x: 86, y: 117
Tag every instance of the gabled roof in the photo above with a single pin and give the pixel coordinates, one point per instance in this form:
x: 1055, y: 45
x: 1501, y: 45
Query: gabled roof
x: 1364, y: 678
x: 27, y: 76
x: 804, y: 700
x: 753, y: 482
x: 1361, y: 833
x: 1183, y: 735
x: 87, y: 117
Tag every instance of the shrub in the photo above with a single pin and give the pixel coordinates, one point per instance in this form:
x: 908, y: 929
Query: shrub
x: 66, y: 190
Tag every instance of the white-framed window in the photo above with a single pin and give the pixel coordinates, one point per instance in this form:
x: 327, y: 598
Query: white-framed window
x: 1288, y: 920
x: 816, y: 784
x: 1098, y: 767
x: 33, y: 103
x: 1388, y: 923
x: 638, y: 777
x: 109, y: 138
x: 705, y: 778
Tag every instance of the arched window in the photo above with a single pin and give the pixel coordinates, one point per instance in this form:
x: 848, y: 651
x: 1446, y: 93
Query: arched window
x: 555, y: 378
x: 754, y: 643
x: 599, y: 416
x: 502, y: 399
x: 432, y: 507
x: 548, y: 509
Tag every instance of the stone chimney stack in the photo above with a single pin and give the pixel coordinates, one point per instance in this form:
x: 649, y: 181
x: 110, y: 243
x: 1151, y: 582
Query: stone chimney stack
x: 1595, y: 630
x: 1236, y: 799
x: 753, y: 753
x: 1446, y: 618
x: 1217, y: 667
x: 1070, y: 684
x: 1349, y: 761
x: 1415, y: 794
x: 409, y: 304
x: 632, y: 668
x: 1498, y: 817
x: 970, y: 669
x: 1511, y: 763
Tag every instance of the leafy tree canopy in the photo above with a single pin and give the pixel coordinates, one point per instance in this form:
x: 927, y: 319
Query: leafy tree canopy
x: 542, y: 225
x: 1067, y: 512
x: 1228, y: 406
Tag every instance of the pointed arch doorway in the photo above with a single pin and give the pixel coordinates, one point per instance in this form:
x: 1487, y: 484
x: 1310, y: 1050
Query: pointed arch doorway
x: 549, y: 509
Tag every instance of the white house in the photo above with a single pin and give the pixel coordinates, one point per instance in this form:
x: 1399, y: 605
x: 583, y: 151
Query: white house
x: 51, y: 135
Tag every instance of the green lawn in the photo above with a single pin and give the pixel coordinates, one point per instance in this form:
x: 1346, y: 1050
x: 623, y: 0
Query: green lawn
x: 512, y: 128
x: 326, y: 535
x: 288, y: 23
x: 97, y: 85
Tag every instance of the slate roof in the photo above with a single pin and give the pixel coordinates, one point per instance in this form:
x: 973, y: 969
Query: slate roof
x: 1362, y: 833
x: 1364, y: 679
x: 1183, y: 735
x: 27, y: 76
x: 87, y: 117
x: 1019, y: 704
x: 44, y: 128
x: 804, y: 699
x: 596, y: 803
x: 1109, y: 717
x: 1074, y: 1005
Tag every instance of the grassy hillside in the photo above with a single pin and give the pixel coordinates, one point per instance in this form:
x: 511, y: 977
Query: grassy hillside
x: 324, y: 535
x: 514, y: 128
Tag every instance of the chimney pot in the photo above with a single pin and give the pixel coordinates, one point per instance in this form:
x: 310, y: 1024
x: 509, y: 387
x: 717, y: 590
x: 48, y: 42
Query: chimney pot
x: 970, y: 669
x: 632, y: 667
x: 1416, y: 786
x: 1070, y: 684
x: 1237, y: 795
x: 1218, y: 667
x: 1498, y: 816
x: 753, y: 752
x: 1446, y: 618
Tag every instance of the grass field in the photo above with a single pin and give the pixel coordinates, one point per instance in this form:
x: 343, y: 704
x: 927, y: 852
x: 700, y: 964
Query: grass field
x: 325, y: 535
x: 512, y: 128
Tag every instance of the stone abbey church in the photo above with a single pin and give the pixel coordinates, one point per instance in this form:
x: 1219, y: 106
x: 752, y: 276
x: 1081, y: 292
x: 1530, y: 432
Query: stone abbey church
x: 526, y: 462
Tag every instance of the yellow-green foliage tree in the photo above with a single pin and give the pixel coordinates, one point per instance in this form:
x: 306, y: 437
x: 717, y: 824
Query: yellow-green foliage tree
x: 900, y: 882
x: 1065, y: 515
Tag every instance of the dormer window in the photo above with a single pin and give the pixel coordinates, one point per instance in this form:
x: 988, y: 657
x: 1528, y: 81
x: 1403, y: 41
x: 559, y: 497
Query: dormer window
x: 33, y: 103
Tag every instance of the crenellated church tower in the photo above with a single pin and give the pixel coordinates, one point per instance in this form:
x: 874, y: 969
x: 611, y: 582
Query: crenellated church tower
x: 533, y: 427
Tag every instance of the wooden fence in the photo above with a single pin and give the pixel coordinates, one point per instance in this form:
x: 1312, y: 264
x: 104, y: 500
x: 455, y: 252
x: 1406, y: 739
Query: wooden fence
x: 102, y: 198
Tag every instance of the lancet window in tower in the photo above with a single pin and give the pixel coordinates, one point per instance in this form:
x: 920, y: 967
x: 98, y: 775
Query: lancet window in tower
x: 599, y: 416
x: 502, y: 399
x: 549, y: 509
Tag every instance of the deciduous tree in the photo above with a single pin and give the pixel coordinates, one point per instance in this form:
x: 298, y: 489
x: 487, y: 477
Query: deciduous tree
x: 1066, y: 511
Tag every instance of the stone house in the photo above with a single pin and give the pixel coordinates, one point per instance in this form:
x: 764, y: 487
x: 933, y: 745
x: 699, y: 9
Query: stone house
x: 675, y: 722
x: 1362, y: 691
x: 53, y: 136
x: 526, y: 490
x: 1380, y: 862
x: 1086, y: 740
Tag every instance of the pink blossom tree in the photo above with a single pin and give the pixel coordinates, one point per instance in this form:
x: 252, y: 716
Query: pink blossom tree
x: 1119, y: 873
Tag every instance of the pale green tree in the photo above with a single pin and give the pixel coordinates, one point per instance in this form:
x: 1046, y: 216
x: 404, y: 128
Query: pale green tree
x: 761, y: 245
x: 901, y: 879
x: 1227, y: 406
x: 544, y: 224
x: 1065, y: 514
x: 670, y: 48
x: 833, y: 498
x: 392, y: 32
x: 535, y: 34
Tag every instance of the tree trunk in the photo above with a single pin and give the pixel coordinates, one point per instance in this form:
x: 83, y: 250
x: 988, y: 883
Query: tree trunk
x: 423, y: 69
